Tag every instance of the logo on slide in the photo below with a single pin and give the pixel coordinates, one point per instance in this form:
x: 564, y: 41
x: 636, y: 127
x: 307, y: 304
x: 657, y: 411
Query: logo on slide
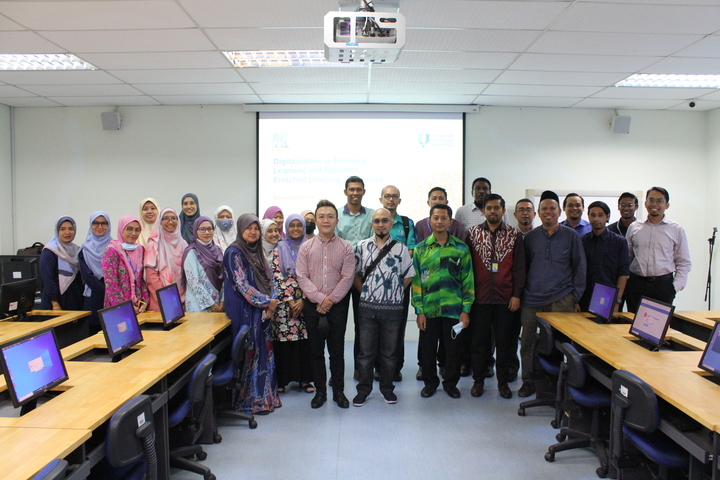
x: 423, y: 139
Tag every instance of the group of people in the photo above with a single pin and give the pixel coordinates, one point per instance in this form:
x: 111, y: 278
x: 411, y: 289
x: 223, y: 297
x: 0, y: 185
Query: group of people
x: 475, y: 281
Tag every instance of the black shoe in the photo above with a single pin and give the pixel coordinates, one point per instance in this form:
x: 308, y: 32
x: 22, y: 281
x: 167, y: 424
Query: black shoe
x: 359, y: 400
x: 397, y: 377
x: 418, y: 375
x: 489, y: 372
x: 376, y: 375
x: 318, y: 400
x: 465, y: 370
x: 477, y: 389
x: 427, y: 392
x: 341, y: 400
x: 453, y: 392
x: 390, y: 398
x: 504, y: 390
x: 527, y: 389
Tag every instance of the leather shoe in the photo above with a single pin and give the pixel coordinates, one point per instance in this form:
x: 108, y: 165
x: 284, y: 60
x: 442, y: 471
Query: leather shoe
x: 489, y: 372
x: 504, y: 390
x: 477, y: 389
x: 527, y: 389
x: 341, y: 400
x: 427, y: 392
x: 465, y: 370
x: 453, y: 392
x: 318, y: 400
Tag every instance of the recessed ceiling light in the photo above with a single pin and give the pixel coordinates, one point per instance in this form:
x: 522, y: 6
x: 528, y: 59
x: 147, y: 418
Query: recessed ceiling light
x: 665, y: 80
x: 43, y: 62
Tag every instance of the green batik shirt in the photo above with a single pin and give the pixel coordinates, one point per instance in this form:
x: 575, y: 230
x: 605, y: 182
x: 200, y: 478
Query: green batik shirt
x: 443, y: 285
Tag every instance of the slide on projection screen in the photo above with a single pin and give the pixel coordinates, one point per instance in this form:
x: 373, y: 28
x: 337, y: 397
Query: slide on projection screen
x: 305, y: 157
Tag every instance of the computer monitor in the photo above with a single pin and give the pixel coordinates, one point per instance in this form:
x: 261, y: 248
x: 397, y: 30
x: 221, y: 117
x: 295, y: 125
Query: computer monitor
x: 14, y: 268
x: 32, y: 365
x: 171, y: 307
x: 602, y: 301
x: 120, y: 327
x: 651, y: 322
x: 710, y: 360
x: 17, y: 298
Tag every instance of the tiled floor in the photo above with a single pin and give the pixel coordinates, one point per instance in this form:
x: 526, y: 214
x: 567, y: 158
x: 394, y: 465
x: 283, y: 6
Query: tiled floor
x: 417, y: 438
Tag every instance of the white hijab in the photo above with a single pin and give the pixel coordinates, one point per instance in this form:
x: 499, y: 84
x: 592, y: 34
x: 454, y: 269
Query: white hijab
x: 223, y: 238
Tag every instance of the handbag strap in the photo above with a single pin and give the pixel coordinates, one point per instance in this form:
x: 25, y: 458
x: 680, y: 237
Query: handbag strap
x: 384, y: 251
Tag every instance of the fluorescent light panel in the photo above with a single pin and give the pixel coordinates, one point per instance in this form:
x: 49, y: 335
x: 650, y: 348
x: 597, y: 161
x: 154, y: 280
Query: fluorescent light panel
x: 43, y: 62
x: 666, y: 80
x: 278, y: 58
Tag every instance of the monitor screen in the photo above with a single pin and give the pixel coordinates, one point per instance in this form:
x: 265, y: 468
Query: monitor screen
x: 17, y: 298
x: 32, y: 365
x: 710, y: 360
x: 171, y: 307
x: 120, y: 326
x: 651, y: 321
x: 603, y: 300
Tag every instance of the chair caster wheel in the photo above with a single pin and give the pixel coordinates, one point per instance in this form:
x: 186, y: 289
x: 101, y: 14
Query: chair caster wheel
x: 554, y: 424
x: 202, y: 455
x: 549, y: 457
x: 217, y: 438
x: 560, y: 437
x: 601, y: 472
x: 253, y: 424
x: 209, y: 477
x: 521, y: 412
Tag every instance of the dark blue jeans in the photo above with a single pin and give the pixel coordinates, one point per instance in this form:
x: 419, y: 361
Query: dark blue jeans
x: 377, y: 339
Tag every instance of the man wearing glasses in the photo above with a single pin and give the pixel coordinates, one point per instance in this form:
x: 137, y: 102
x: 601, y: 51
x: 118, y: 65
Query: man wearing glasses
x: 627, y: 206
x: 384, y: 270
x: 659, y: 253
x: 524, y: 214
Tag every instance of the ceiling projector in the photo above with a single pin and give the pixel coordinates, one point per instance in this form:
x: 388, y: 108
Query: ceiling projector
x: 362, y: 37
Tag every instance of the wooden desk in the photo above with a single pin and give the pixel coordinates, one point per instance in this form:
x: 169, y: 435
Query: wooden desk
x: 697, y: 324
x: 193, y: 322
x: 70, y: 326
x: 25, y: 451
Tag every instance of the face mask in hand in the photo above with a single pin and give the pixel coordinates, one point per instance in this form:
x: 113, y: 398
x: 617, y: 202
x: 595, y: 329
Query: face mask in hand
x: 224, y: 224
x: 309, y: 227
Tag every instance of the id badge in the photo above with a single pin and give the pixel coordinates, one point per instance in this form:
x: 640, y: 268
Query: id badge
x: 495, y: 267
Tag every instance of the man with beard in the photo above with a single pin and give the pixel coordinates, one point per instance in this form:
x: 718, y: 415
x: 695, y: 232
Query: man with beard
x: 627, y: 206
x: 574, y: 206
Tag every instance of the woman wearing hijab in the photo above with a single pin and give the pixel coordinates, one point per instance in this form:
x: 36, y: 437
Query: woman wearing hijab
x: 90, y: 263
x: 148, y: 216
x: 290, y: 344
x: 309, y: 218
x: 203, y: 266
x: 163, y: 257
x: 62, y: 286
x: 122, y: 267
x: 275, y: 213
x: 225, y: 228
x: 250, y: 300
x: 190, y: 213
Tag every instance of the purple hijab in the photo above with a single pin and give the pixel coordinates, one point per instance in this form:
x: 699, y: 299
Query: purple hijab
x: 210, y: 256
x: 288, y: 248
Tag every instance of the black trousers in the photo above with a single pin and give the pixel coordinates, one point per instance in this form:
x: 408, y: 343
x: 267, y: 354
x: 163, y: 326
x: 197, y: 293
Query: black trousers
x: 436, y: 328
x: 488, y: 323
x: 657, y: 288
x: 334, y: 335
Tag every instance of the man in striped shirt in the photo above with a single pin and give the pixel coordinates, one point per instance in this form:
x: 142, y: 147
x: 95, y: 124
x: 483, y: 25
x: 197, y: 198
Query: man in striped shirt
x: 442, y: 294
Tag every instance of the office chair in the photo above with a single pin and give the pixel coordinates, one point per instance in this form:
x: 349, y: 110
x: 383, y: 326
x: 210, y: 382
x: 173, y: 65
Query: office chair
x: 54, y: 470
x: 224, y: 376
x: 186, y: 420
x: 585, y: 392
x: 130, y: 443
x: 550, y: 359
x: 636, y: 417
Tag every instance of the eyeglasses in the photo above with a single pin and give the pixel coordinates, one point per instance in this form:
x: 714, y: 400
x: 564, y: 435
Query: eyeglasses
x: 133, y: 230
x: 378, y: 221
x: 169, y: 219
x: 205, y: 229
x: 659, y: 201
x: 524, y: 210
x: 99, y: 224
x: 388, y: 196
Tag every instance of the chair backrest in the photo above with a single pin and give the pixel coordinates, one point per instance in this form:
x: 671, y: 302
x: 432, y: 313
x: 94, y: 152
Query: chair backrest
x: 545, y: 338
x: 131, y: 436
x: 239, y: 346
x: 201, y: 379
x: 54, y: 470
x: 574, y: 366
x: 637, y: 399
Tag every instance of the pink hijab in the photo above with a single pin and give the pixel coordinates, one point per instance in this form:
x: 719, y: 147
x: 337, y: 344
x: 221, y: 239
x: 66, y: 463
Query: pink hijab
x: 132, y: 259
x: 270, y: 213
x: 164, y: 251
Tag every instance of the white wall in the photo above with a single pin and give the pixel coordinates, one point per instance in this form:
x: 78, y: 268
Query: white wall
x: 712, y: 185
x: 6, y: 228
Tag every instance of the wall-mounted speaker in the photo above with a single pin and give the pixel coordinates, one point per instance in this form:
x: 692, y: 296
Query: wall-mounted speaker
x: 111, y: 120
x: 620, y: 124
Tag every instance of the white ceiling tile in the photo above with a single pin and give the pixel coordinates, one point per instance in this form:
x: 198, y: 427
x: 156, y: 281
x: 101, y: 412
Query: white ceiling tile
x: 7, y: 91
x: 701, y: 105
x: 466, y: 40
x: 631, y: 18
x: 496, y: 15
x: 102, y: 101
x: 195, y: 75
x: 278, y: 13
x: 520, y: 77
x: 206, y: 99
x: 548, y: 102
x: 433, y: 75
x: 166, y: 40
x: 421, y: 99
x: 82, y: 90
x: 28, y: 102
x: 477, y: 60
x: 707, y: 47
x: 104, y: 15
x: 268, y: 88
x: 266, y: 38
x: 714, y: 95
x: 307, y: 74
x: 427, y: 88
x: 174, y: 60
x: 630, y: 104
x: 346, y: 98
x: 155, y: 89
x: 57, y: 77
x: 664, y: 2
x: 7, y: 24
x: 540, y: 91
x: 657, y: 93
x: 685, y: 65
x: 581, y: 63
x: 26, y: 42
x: 589, y: 43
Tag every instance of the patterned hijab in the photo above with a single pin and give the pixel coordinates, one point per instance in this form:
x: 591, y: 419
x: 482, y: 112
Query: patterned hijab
x: 289, y: 247
x: 164, y: 251
x: 254, y: 255
x: 186, y: 222
x: 146, y: 227
x: 131, y: 256
x: 270, y: 213
x: 210, y: 256
x: 67, y: 253
x: 223, y: 238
